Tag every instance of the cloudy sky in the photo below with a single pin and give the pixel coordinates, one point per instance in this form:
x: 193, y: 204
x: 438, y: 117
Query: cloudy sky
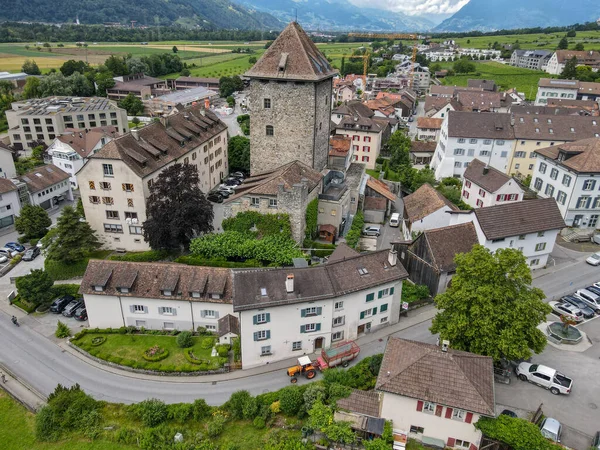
x: 415, y: 7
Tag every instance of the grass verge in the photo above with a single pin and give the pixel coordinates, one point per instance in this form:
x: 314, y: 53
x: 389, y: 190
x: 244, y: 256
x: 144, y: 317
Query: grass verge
x: 60, y: 271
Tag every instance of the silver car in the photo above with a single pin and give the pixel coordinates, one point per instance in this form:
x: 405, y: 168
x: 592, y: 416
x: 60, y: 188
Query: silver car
x: 372, y: 230
x: 551, y: 429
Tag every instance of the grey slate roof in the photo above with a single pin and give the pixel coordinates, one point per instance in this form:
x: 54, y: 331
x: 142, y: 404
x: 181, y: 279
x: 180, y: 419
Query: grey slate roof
x: 479, y: 125
x: 445, y: 243
x: 485, y: 176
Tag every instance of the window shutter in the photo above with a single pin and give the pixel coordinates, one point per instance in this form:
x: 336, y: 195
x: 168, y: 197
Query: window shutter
x: 380, y: 294
x: 302, y: 328
x: 268, y: 334
x: 438, y: 410
x: 472, y: 447
x: 256, y: 336
x: 303, y: 313
x: 375, y: 310
x: 145, y: 310
x: 498, y: 197
x: 391, y: 291
x: 160, y: 309
x: 268, y: 317
x: 371, y: 297
x: 383, y: 308
x: 254, y: 318
x: 216, y: 314
x: 318, y: 327
x: 419, y: 405
x: 174, y: 311
x: 451, y: 442
x: 469, y: 417
x: 319, y: 311
x: 131, y: 308
x: 362, y: 315
x: 449, y: 414
x: 203, y: 314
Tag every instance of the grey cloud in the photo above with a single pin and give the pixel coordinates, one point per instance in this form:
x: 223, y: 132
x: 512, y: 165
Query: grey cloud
x: 414, y: 7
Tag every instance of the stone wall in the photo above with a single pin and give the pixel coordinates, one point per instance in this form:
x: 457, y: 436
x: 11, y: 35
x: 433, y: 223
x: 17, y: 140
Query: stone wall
x: 300, y: 115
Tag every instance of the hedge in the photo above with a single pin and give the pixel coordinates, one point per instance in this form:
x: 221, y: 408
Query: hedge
x: 192, y: 260
x: 157, y: 356
x: 149, y: 256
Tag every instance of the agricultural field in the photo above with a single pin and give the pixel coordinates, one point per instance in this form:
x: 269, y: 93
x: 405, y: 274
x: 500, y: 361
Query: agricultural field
x: 505, y: 76
x: 225, y: 64
x: 589, y: 39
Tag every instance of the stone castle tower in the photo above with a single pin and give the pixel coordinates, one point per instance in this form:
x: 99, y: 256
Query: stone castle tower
x: 290, y: 103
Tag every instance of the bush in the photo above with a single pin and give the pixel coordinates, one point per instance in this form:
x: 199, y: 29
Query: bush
x: 223, y: 350
x: 97, y: 341
x: 151, y: 412
x: 215, y: 425
x: 127, y: 436
x: 236, y: 403
x: 355, y: 232
x: 414, y: 292
x: 291, y: 400
x: 149, y: 256
x: 276, y: 407
x: 207, y: 343
x: 314, y: 392
x: 155, y: 353
x: 62, y: 330
x: 259, y: 422
x: 200, y: 409
x: 59, y: 290
x: 16, y: 260
x: 47, y: 427
x: 185, y: 339
x: 180, y: 412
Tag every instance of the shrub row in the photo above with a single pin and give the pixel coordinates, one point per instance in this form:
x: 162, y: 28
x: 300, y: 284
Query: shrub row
x: 192, y: 260
x: 149, y: 256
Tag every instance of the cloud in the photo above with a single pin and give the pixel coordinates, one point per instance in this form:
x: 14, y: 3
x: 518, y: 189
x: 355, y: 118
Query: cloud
x: 414, y: 7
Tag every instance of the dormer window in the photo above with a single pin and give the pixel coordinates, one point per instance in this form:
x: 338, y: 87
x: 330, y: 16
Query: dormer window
x: 549, y: 120
x: 195, y: 294
x: 167, y: 293
x: 99, y: 288
x: 572, y: 130
x: 215, y: 296
x: 123, y: 290
x: 263, y: 292
x: 551, y: 131
x: 535, y: 119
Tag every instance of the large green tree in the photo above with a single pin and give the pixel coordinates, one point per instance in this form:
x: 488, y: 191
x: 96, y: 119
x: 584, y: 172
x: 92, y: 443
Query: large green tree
x: 55, y: 84
x: 490, y: 308
x: 570, y: 70
x: 177, y: 210
x: 71, y: 66
x: 238, y: 154
x: 132, y: 104
x: 31, y: 88
x: 30, y: 67
x: 463, y: 66
x: 399, y: 148
x: 74, y: 238
x: 35, y: 287
x: 32, y: 222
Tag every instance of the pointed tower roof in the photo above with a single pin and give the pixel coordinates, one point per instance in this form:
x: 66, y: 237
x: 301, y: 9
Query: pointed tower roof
x: 292, y: 56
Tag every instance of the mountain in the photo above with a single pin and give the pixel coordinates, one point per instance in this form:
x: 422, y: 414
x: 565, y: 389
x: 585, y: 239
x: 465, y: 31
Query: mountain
x: 338, y: 15
x: 490, y: 15
x: 205, y: 13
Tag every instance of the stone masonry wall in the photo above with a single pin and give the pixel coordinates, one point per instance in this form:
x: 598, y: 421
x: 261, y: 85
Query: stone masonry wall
x: 292, y: 115
x: 322, y: 122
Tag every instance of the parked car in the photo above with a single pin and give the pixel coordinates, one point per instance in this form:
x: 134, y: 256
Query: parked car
x: 8, y: 252
x: 60, y: 303
x: 225, y: 188
x: 591, y: 298
x: 3, y: 259
x: 509, y: 413
x: 58, y: 198
x: 224, y: 194
x: 567, y: 309
x: 395, y: 220
x: 593, y: 259
x: 545, y: 377
x: 232, y: 181
x: 594, y: 289
x: 238, y: 175
x: 596, y: 441
x: 31, y: 253
x: 373, y: 230
x: 81, y: 314
x: 587, y: 312
x: 15, y: 246
x: 215, y: 197
x: 551, y: 429
x: 411, y: 119
x: 73, y: 306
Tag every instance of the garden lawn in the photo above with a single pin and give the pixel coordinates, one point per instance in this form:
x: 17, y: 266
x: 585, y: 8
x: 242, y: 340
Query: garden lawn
x: 373, y: 173
x: 127, y: 350
x: 505, y: 76
x: 60, y: 271
x: 17, y: 432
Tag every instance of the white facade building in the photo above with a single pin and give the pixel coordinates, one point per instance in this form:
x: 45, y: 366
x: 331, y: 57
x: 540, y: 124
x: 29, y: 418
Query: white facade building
x: 530, y: 226
x: 467, y: 135
x: 7, y: 163
x: 10, y: 206
x: 425, y: 209
x: 569, y: 173
x: 552, y: 88
x: 485, y: 186
x: 44, y: 185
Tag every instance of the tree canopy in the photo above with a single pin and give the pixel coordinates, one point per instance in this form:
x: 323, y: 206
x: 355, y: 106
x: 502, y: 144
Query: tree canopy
x: 228, y: 85
x: 563, y: 44
x: 35, y: 287
x: 570, y: 69
x: 74, y: 238
x: 463, y: 66
x: 238, y: 154
x: 32, y: 222
x: 132, y: 105
x: 490, y: 308
x: 177, y: 210
x: 30, y: 67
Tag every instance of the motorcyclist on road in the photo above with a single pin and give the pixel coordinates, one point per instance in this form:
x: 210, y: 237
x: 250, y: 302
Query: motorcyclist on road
x: 14, y: 319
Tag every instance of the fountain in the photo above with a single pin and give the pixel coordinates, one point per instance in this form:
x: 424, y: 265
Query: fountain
x: 565, y: 332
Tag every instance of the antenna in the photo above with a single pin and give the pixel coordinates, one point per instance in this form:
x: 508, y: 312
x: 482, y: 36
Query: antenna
x: 296, y: 13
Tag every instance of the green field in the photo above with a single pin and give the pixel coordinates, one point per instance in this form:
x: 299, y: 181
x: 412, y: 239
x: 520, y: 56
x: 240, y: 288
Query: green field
x: 225, y: 64
x: 506, y: 77
x: 589, y: 39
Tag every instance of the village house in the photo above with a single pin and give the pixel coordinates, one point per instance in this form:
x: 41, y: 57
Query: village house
x: 115, y: 182
x: 7, y: 162
x: 557, y: 61
x: 377, y: 201
x: 362, y: 410
x: 552, y: 89
x: 484, y: 101
x: 71, y: 150
x: 485, y: 186
x: 423, y: 405
x: 429, y: 258
x: 344, y: 91
x: 425, y: 209
x: 421, y: 153
x: 44, y: 186
x: 530, y: 226
x: 568, y: 172
x: 466, y: 135
x: 486, y: 85
x: 10, y: 205
x: 288, y: 190
x: 439, y: 107
x: 581, y: 107
x: 428, y: 128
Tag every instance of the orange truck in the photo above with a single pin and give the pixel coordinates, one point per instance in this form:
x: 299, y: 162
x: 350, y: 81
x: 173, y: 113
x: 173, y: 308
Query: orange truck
x: 339, y: 354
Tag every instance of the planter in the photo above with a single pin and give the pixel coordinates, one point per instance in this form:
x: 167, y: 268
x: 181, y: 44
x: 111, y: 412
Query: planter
x: 155, y: 353
x: 99, y: 340
x: 571, y: 337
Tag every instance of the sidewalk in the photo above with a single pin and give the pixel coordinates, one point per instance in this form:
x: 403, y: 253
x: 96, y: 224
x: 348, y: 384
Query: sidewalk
x: 415, y: 317
x: 21, y: 391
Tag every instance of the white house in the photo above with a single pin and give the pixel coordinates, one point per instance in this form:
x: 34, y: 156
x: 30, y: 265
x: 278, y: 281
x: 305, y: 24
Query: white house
x: 10, y: 206
x: 281, y: 313
x: 557, y: 61
x: 287, y: 313
x: 428, y: 128
x: 552, y: 88
x: 45, y: 184
x: 7, y: 163
x: 569, y: 173
x: 468, y: 135
x: 530, y: 226
x: 71, y: 150
x: 425, y: 209
x: 435, y: 394
x: 485, y: 186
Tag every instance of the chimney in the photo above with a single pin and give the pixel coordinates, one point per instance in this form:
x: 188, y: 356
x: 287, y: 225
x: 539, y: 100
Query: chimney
x: 486, y: 169
x: 206, y: 103
x: 135, y: 133
x: 289, y: 283
x: 445, y: 345
x: 392, y: 257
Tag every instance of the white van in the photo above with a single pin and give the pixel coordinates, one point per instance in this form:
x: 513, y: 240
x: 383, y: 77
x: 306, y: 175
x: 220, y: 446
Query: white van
x: 395, y: 220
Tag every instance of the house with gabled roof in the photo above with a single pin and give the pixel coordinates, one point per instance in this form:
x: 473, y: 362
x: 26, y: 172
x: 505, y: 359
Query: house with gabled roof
x: 435, y: 394
x: 485, y: 186
x: 425, y: 209
x: 45, y: 184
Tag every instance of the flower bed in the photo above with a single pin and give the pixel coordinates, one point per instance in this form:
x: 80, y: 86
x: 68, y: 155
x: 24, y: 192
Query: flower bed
x: 204, y: 364
x: 155, y: 353
x: 98, y: 340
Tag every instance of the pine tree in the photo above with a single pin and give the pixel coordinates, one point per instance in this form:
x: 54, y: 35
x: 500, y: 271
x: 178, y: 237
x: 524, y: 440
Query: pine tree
x: 32, y: 222
x: 74, y: 240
